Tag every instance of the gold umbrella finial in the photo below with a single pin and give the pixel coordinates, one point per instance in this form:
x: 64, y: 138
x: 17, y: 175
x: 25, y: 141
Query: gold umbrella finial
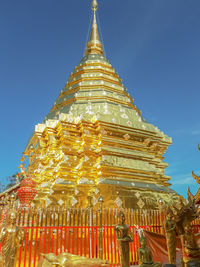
x: 94, y: 5
x: 94, y: 45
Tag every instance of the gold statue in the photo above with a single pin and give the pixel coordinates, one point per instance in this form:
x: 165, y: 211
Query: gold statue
x: 145, y: 255
x: 191, y: 251
x: 11, y: 238
x: 124, y: 237
x: 69, y: 260
x: 170, y: 231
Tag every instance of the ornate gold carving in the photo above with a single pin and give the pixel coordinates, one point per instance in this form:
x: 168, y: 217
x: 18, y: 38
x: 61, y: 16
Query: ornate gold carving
x: 154, y: 147
x: 147, y: 141
x: 197, y: 178
x: 126, y: 137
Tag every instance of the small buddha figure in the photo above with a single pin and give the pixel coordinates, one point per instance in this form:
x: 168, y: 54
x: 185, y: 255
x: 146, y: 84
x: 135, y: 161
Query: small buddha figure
x: 124, y: 237
x: 145, y: 255
x: 70, y: 260
x: 11, y: 238
x: 191, y: 251
x: 4, y: 200
x: 170, y: 231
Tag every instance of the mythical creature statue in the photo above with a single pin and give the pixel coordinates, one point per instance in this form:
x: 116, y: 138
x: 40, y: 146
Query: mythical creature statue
x: 183, y: 216
x: 186, y: 213
x: 145, y: 255
x: 170, y: 231
x: 124, y: 237
x: 11, y: 238
x: 191, y: 251
x: 69, y: 260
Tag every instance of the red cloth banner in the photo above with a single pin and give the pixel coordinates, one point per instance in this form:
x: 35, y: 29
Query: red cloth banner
x: 157, y: 244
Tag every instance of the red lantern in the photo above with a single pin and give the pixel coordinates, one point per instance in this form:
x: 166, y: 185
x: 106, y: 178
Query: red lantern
x: 27, y: 192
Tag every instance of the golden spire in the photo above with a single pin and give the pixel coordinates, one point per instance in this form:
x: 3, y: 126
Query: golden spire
x: 94, y: 46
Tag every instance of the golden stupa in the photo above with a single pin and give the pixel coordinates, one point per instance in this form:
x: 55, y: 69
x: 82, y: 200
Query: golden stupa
x: 95, y: 141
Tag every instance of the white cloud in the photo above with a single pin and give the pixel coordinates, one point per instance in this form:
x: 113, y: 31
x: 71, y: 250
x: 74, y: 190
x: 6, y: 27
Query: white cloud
x: 181, y: 132
x: 184, y: 178
x: 196, y: 132
x: 183, y: 181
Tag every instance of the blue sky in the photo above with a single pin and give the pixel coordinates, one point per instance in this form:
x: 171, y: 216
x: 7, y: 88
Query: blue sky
x: 153, y: 44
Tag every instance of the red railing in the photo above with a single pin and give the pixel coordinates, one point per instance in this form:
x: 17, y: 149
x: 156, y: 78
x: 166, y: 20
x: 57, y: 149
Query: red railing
x: 84, y: 232
x: 83, y: 241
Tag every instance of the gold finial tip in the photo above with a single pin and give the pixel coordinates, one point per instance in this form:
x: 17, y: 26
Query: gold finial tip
x: 94, y: 5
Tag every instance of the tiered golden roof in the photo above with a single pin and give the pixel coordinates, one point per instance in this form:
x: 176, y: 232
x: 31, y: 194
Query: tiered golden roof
x: 94, y: 138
